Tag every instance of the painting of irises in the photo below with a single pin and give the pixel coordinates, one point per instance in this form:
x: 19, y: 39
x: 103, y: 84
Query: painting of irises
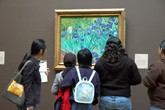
x: 86, y: 28
x: 87, y: 32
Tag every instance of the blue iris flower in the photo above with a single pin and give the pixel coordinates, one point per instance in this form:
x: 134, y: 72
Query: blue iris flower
x: 116, y: 23
x: 75, y: 35
x: 110, y: 33
x: 98, y: 36
x: 88, y: 31
x: 103, y: 25
x: 99, y: 20
x: 94, y: 54
x: 81, y: 38
x: 94, y: 26
x: 64, y: 33
x: 113, y: 18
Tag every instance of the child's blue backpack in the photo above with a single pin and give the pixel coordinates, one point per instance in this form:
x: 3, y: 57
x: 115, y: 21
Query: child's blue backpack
x: 84, y: 89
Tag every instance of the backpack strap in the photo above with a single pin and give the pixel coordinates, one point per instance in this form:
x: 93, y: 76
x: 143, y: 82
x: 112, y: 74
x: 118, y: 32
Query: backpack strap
x: 79, y: 75
x: 92, y: 75
x: 20, y: 71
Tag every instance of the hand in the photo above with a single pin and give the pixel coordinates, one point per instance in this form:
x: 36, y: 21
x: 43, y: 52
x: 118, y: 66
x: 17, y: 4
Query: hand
x: 47, y: 72
x: 95, y: 101
x: 29, y: 108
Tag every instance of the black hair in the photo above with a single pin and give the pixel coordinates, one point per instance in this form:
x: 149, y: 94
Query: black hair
x: 113, y: 50
x: 36, y: 46
x: 162, y: 46
x: 69, y: 63
x: 84, y: 57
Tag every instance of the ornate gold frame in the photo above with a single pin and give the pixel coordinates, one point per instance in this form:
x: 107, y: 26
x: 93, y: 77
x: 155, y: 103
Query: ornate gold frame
x: 58, y: 64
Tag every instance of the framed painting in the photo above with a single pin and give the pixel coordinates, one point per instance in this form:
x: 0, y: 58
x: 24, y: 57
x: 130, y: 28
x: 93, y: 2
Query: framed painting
x: 76, y: 29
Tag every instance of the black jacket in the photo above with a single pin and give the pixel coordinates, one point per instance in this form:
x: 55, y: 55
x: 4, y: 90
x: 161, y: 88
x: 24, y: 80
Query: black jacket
x: 32, y: 82
x: 116, y: 78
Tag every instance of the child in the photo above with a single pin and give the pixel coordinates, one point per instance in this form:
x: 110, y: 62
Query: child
x: 69, y: 62
x: 155, y: 81
x: 84, y: 58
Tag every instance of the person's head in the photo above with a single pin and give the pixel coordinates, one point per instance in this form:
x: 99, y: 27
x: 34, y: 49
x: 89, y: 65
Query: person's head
x: 113, y: 50
x: 161, y: 50
x: 84, y: 57
x: 114, y: 40
x: 69, y: 60
x: 38, y: 48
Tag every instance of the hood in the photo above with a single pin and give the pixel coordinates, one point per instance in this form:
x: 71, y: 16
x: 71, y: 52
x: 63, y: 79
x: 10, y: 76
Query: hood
x: 115, y: 67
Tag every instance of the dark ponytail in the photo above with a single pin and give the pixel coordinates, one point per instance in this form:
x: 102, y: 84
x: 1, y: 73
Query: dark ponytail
x: 26, y: 58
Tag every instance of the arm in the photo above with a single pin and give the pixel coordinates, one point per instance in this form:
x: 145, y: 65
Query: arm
x: 97, y: 86
x: 97, y: 89
x: 27, y: 82
x: 96, y: 67
x: 135, y: 75
x: 68, y: 80
x: 57, y: 81
x: 152, y: 75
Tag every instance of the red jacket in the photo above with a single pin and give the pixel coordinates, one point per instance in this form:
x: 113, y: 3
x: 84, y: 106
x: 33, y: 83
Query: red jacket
x: 64, y: 98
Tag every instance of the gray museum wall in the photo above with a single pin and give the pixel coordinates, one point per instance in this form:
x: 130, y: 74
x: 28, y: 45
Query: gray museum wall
x: 22, y: 21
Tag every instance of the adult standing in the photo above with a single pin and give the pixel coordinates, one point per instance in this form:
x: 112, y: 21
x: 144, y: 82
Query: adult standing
x: 155, y: 81
x: 117, y: 72
x: 31, y: 76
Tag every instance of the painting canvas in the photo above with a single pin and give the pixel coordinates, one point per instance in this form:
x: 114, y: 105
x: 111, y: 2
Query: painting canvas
x: 78, y: 29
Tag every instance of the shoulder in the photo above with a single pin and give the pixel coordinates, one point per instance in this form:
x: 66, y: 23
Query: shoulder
x: 73, y: 70
x: 32, y: 64
x: 156, y: 65
x: 99, y: 60
x: 59, y: 74
x: 71, y: 74
x: 96, y: 73
x: 99, y: 63
x: 129, y: 61
x: 59, y: 77
x: 29, y: 64
x: 127, y: 58
x: 33, y: 61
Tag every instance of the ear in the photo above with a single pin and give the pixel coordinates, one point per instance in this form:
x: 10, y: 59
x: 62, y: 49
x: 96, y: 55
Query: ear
x: 41, y: 52
x: 161, y: 50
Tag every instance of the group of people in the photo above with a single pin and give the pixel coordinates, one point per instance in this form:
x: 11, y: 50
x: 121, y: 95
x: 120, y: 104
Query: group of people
x: 115, y: 73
